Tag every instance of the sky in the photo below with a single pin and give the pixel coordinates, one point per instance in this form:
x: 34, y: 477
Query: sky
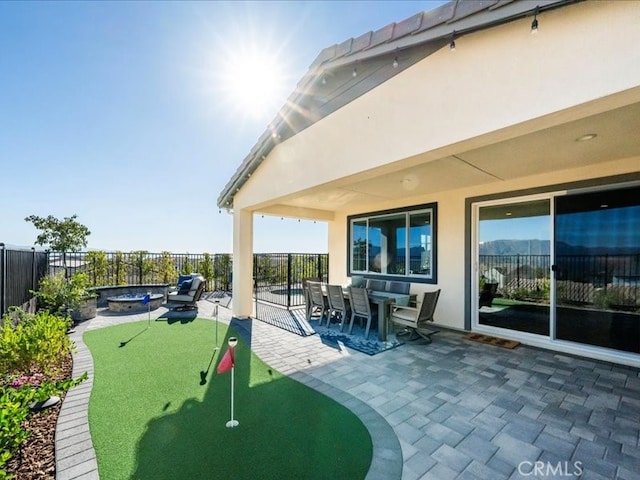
x: 134, y: 115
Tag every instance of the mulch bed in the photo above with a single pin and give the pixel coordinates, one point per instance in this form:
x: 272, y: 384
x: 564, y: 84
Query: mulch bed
x: 498, y: 342
x: 35, y: 458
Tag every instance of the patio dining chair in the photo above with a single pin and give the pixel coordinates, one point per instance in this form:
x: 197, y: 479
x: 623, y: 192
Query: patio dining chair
x: 414, y: 320
x: 360, y: 307
x: 338, y: 307
x: 487, y: 294
x: 309, y: 309
x: 317, y: 300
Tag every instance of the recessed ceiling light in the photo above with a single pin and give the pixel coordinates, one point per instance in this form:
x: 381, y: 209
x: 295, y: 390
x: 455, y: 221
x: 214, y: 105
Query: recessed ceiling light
x: 586, y: 137
x: 508, y: 214
x: 604, y: 205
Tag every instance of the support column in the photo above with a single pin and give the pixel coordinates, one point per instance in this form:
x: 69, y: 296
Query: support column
x: 242, y: 263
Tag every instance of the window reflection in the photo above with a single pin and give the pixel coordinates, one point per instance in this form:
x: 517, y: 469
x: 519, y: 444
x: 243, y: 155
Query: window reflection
x: 381, y: 244
x: 598, y: 268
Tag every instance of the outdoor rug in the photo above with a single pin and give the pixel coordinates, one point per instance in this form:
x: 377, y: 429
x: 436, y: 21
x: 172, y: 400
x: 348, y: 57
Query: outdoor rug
x: 334, y: 338
x: 498, y: 342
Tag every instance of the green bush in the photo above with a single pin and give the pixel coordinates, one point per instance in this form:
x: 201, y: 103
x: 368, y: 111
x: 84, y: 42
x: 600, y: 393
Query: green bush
x: 14, y: 410
x: 33, y: 342
x: 58, y: 293
x: 32, y: 346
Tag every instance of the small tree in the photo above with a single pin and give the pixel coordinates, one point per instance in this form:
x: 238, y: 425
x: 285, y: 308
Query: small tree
x: 167, y: 268
x: 205, y: 267
x: 98, y: 266
x: 119, y: 268
x: 187, y: 268
x: 65, y: 235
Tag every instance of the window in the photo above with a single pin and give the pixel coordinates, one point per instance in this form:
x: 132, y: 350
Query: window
x: 394, y: 243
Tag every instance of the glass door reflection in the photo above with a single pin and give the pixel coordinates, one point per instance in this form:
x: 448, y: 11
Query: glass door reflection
x: 597, y: 245
x: 514, y: 266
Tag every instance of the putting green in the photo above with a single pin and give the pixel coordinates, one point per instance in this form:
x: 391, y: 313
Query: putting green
x: 158, y: 411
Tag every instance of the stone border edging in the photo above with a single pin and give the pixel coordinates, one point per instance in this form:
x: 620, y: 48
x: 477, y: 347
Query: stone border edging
x: 75, y: 455
x: 386, y: 459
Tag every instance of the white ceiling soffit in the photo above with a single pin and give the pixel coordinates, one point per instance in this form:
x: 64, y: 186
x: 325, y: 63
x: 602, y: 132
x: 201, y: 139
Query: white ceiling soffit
x: 329, y: 83
x: 543, y: 151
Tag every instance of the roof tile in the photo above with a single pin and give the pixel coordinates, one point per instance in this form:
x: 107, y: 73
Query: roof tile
x: 343, y: 48
x: 382, y: 35
x: 465, y: 9
x: 437, y: 16
x: 361, y: 42
x: 325, y: 55
x: 407, y: 26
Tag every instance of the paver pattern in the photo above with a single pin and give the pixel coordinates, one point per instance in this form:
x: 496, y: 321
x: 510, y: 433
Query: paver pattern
x: 453, y: 409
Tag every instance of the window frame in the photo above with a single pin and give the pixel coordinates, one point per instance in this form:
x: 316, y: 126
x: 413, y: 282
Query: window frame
x: 407, y: 211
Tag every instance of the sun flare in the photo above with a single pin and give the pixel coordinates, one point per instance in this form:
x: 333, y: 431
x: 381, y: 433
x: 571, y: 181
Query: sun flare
x: 254, y: 83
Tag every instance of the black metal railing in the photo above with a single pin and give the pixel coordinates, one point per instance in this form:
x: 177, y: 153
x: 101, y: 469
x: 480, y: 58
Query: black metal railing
x: 278, y: 276
x: 141, y: 267
x: 606, y: 281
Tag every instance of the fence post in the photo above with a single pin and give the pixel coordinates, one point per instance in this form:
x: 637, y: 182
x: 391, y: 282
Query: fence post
x: 3, y: 277
x: 33, y: 269
x: 288, y: 280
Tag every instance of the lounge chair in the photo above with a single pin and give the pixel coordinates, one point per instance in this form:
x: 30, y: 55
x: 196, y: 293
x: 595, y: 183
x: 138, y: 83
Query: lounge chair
x: 188, y: 294
x: 414, y: 320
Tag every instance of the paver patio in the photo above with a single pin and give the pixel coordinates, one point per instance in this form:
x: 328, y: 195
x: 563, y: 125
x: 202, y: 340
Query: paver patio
x: 451, y: 409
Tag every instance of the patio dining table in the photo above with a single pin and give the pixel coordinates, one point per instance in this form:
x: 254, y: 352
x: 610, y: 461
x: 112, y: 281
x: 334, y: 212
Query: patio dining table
x: 383, y: 302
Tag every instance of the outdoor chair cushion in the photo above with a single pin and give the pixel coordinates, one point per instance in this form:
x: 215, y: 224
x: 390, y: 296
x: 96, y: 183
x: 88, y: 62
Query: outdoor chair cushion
x: 185, y: 286
x: 376, y: 285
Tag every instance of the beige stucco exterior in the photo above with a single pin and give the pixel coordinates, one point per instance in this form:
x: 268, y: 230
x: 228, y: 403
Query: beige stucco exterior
x: 500, y: 114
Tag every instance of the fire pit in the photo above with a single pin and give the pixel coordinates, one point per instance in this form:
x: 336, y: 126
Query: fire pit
x: 133, y: 302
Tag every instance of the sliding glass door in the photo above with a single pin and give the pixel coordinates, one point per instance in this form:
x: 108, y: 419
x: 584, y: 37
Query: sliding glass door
x: 514, y: 266
x: 565, y: 266
x: 597, y: 244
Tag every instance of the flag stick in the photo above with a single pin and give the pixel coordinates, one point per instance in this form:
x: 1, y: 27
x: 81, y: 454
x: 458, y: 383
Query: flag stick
x: 215, y: 312
x: 232, y: 423
x: 149, y: 310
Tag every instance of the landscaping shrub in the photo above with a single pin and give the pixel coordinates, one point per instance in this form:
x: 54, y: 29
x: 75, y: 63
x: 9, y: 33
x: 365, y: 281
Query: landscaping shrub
x: 33, y: 343
x: 32, y: 348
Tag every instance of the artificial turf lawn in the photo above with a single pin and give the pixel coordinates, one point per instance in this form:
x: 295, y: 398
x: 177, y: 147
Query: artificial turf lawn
x: 151, y: 416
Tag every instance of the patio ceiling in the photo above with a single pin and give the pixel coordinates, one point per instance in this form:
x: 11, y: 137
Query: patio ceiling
x: 541, y: 151
x: 345, y: 71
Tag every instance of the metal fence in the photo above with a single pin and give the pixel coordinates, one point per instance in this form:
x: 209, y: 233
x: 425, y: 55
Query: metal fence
x: 20, y: 272
x: 278, y: 276
x: 607, y: 281
x: 141, y: 267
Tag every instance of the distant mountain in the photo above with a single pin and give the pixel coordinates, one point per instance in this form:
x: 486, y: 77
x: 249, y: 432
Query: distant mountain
x: 515, y: 247
x: 541, y: 247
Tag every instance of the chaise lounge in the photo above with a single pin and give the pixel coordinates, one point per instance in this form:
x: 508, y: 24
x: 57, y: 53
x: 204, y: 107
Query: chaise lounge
x: 189, y: 291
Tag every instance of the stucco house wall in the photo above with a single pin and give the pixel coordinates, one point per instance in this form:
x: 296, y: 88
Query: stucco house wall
x: 501, y: 114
